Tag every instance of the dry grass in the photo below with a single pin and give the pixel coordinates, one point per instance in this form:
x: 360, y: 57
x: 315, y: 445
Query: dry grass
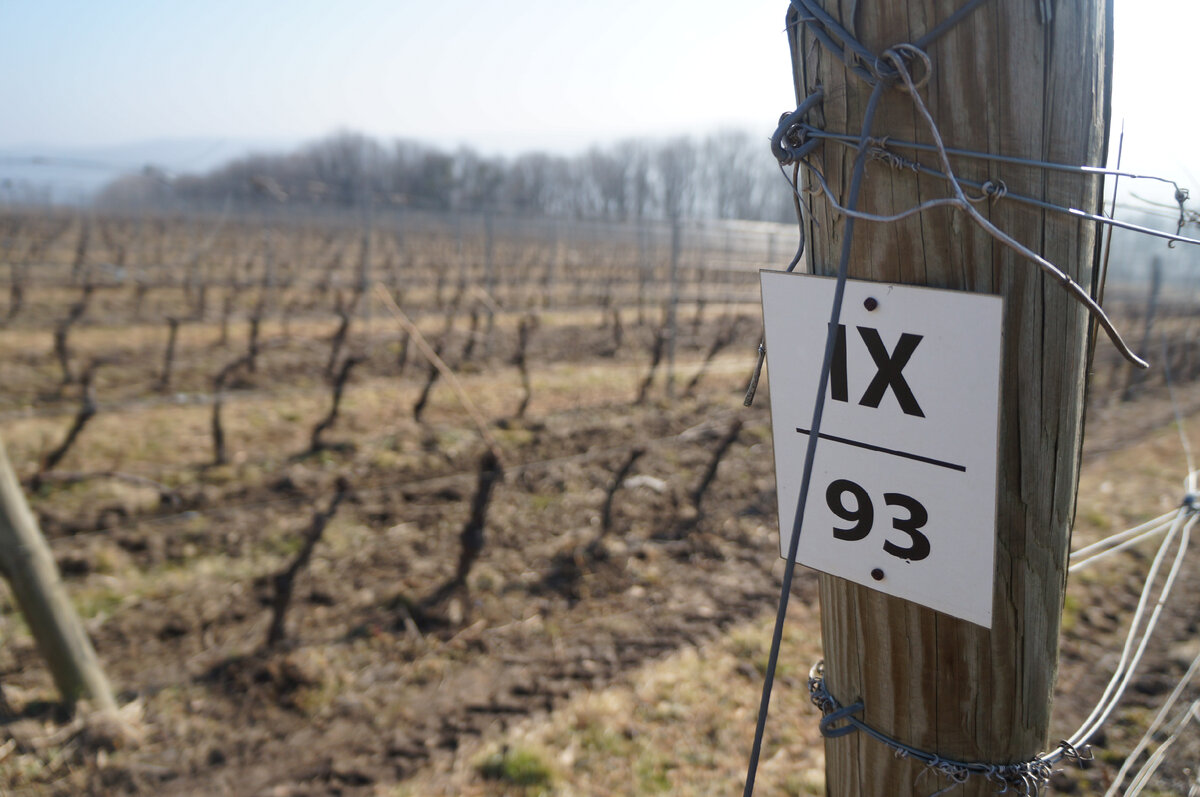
x: 173, y: 602
x: 681, y: 726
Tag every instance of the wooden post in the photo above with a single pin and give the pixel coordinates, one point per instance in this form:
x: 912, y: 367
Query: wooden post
x: 364, y: 262
x: 489, y: 277
x: 1135, y: 376
x: 1004, y: 80
x: 28, y: 566
x: 673, y: 303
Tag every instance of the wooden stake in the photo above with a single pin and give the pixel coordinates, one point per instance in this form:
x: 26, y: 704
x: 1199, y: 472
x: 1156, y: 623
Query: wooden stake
x: 1005, y: 80
x: 28, y: 566
x: 437, y: 362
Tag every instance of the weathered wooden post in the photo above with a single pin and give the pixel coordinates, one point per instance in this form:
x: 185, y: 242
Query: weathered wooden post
x: 1029, y: 80
x: 1134, y: 376
x: 672, y: 321
x: 28, y: 566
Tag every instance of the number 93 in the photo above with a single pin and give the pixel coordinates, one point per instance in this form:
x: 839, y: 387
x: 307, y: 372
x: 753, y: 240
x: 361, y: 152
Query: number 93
x: 862, y: 515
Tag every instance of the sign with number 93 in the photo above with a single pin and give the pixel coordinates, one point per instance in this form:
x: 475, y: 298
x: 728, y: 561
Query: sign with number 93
x: 902, y: 497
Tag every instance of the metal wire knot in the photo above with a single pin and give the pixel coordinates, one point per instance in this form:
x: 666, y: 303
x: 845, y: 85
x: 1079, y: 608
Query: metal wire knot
x: 907, y: 52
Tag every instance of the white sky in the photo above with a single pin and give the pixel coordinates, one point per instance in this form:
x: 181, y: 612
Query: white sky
x: 501, y: 76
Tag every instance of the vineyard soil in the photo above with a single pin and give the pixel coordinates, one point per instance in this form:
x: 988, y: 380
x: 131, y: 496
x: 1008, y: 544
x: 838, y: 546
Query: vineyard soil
x: 568, y: 658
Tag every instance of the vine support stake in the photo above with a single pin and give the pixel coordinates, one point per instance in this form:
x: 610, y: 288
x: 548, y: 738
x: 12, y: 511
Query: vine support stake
x: 936, y: 683
x: 28, y: 566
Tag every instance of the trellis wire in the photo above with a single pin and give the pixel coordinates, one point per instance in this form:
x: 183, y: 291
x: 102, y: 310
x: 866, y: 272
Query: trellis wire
x: 1185, y: 520
x: 1118, y: 542
x: 960, y: 200
x: 1189, y: 501
x: 1143, y: 775
x: 815, y: 426
x: 415, y: 484
x: 997, y: 190
x: 1029, y: 776
x: 882, y: 144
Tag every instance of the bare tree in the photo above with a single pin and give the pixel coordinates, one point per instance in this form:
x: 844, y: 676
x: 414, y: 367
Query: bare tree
x: 675, y: 164
x: 735, y: 168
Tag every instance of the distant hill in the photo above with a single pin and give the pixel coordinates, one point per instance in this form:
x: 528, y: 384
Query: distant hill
x: 72, y: 175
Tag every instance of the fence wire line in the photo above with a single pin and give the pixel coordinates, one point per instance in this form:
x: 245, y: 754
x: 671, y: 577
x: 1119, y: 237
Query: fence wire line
x: 1130, y: 658
x: 815, y: 426
x: 1182, y: 216
x: 1117, y: 548
x: 1147, y: 772
x: 373, y: 489
x: 1028, y: 777
x: 1125, y: 539
x: 1151, y: 765
x: 1150, y: 526
x: 896, y: 56
x: 1148, y: 768
x: 996, y: 190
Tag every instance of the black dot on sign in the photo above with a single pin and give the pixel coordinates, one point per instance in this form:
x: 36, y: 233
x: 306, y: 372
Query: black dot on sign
x: 871, y: 303
x: 877, y: 574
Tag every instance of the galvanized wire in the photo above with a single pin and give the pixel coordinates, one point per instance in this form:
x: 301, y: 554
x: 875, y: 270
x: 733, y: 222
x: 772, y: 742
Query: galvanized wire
x: 794, y: 140
x: 996, y: 190
x: 810, y: 455
x: 1029, y: 777
x: 1147, y: 769
x: 1185, y: 520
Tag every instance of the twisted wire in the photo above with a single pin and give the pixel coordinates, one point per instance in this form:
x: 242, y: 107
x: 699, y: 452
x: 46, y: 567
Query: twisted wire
x: 794, y: 139
x: 996, y: 189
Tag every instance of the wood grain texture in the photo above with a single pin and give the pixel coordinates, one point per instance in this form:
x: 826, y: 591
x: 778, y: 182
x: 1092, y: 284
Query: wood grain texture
x: 1003, y: 81
x: 29, y: 568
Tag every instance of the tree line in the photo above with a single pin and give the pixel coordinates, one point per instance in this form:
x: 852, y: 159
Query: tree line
x: 724, y: 175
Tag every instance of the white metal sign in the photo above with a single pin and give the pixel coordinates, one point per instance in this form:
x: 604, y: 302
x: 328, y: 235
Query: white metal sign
x: 903, y: 491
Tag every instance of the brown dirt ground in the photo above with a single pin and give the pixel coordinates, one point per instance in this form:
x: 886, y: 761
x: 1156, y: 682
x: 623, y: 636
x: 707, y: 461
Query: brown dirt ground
x: 390, y: 685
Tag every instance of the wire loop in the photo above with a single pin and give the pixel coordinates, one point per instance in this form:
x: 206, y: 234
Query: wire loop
x: 837, y: 715
x: 906, y: 52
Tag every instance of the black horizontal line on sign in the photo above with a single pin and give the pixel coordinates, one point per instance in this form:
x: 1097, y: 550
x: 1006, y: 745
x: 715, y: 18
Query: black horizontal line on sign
x: 892, y: 451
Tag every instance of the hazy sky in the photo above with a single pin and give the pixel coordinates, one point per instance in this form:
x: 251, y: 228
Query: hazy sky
x: 501, y: 76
